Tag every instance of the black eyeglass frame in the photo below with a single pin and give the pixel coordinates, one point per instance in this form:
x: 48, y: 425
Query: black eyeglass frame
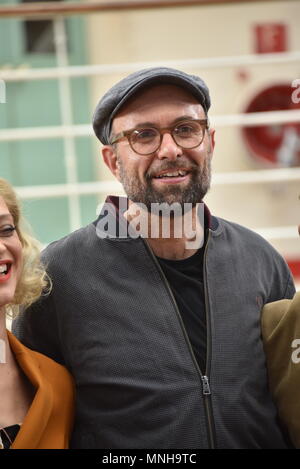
x: 204, y: 123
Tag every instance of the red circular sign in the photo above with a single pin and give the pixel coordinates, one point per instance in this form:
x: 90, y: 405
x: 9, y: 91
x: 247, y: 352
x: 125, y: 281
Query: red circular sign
x: 274, y: 144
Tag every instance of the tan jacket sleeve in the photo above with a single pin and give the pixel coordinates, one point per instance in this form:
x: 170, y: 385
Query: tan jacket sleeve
x: 281, y: 336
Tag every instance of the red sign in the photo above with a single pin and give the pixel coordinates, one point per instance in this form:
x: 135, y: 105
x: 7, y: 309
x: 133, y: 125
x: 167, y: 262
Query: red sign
x: 274, y: 144
x: 294, y: 265
x: 270, y: 37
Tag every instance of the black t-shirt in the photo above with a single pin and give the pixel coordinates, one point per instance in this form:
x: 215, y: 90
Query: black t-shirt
x: 185, y: 278
x: 8, y: 435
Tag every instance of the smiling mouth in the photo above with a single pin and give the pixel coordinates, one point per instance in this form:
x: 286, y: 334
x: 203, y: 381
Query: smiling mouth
x: 172, y: 174
x: 5, y: 269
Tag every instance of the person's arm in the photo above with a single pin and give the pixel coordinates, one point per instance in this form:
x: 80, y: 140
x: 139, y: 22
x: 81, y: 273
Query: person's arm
x: 37, y: 327
x: 281, y: 336
x: 290, y: 289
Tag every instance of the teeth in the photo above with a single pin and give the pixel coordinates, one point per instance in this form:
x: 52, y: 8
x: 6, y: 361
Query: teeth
x: 3, y: 268
x: 174, y: 174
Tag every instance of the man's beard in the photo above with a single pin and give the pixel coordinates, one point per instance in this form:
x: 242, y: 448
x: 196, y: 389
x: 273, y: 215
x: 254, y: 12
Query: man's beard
x: 192, y: 193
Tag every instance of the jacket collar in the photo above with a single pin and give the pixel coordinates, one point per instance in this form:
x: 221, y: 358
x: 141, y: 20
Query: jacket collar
x: 39, y: 412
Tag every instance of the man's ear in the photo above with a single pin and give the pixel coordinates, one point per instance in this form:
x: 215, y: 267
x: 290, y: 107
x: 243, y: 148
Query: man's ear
x: 212, y: 138
x: 110, y: 159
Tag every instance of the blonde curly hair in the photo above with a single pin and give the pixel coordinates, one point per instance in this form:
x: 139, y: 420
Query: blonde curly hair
x: 34, y: 280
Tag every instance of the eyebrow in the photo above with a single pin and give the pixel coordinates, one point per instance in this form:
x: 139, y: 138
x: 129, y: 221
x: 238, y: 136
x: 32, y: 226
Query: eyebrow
x: 178, y: 119
x: 6, y: 216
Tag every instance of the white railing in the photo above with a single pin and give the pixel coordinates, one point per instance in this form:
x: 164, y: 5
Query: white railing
x: 105, y: 187
x: 85, y: 130
x: 25, y: 74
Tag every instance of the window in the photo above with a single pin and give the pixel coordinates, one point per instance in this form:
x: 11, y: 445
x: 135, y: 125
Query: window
x: 38, y: 34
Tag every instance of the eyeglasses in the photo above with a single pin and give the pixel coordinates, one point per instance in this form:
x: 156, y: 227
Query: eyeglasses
x: 186, y: 134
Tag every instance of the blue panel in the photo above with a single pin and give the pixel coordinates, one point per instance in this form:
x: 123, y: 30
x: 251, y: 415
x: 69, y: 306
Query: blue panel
x: 48, y: 218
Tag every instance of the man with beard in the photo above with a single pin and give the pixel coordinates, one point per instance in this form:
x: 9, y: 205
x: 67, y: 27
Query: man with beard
x: 164, y: 341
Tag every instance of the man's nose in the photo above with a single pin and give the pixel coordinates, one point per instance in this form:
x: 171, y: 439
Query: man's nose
x: 168, y: 148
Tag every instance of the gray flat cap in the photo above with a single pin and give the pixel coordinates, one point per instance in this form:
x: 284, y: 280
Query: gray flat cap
x: 111, y: 102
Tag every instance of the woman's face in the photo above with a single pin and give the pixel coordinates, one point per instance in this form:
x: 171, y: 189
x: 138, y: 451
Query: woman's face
x: 10, y: 256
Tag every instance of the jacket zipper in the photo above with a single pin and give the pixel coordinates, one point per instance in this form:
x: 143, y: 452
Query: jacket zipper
x: 206, y: 391
x: 205, y: 378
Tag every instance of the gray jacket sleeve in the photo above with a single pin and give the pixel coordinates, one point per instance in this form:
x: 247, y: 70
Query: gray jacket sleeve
x: 37, y: 328
x: 290, y: 289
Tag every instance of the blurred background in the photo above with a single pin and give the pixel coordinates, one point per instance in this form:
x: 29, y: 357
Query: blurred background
x: 58, y: 58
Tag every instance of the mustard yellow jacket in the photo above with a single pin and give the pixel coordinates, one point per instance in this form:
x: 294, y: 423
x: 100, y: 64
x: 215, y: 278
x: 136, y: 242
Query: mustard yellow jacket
x: 49, y: 420
x: 281, y: 335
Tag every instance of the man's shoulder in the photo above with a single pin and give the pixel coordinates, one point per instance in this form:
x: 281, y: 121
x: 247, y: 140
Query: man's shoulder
x: 242, y: 234
x: 36, y: 361
x: 252, y: 250
x: 79, y: 239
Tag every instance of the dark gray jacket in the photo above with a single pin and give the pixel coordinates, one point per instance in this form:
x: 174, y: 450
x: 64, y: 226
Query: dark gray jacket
x: 112, y: 320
